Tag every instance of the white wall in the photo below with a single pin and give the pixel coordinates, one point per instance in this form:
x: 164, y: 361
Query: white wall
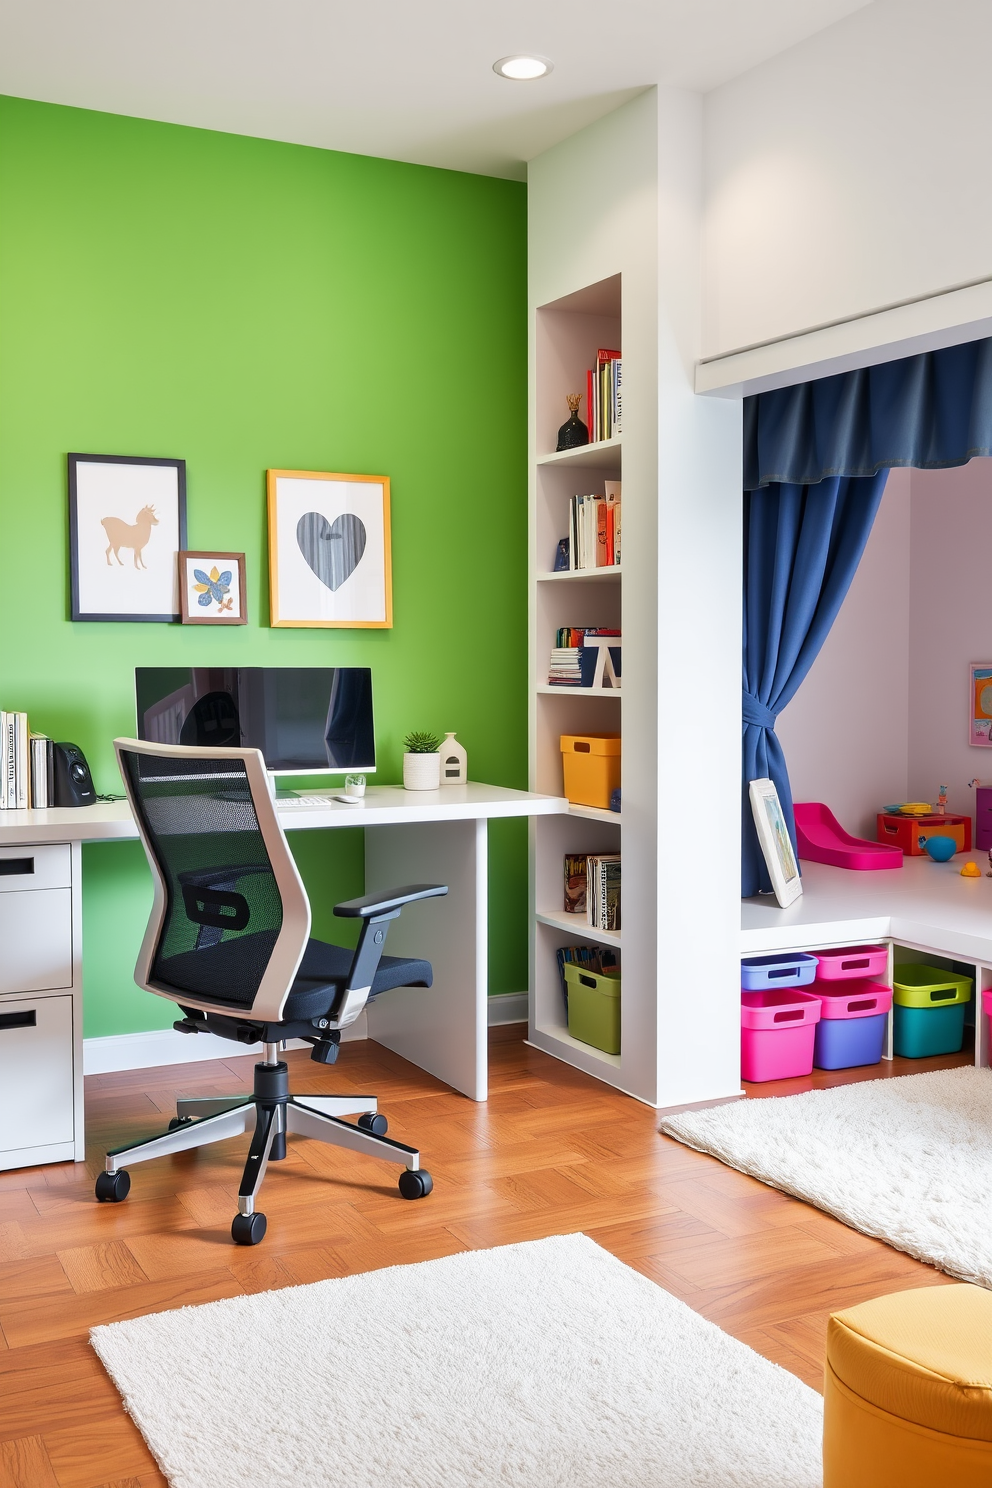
x: 845, y: 732
x: 950, y: 626
x: 849, y: 172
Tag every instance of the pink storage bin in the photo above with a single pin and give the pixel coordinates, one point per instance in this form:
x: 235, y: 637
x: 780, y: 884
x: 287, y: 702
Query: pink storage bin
x: 778, y: 1028
x: 855, y: 999
x: 987, y: 1006
x: 851, y: 961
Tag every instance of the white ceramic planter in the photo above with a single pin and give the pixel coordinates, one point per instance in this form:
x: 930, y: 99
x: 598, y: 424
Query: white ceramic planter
x: 421, y: 771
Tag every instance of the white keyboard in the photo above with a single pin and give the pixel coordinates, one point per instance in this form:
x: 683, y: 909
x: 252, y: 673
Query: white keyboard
x: 301, y: 801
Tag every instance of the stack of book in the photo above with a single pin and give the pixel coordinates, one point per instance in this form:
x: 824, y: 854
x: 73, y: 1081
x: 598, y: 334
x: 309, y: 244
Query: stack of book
x: 593, y: 958
x: 603, y: 892
x: 592, y: 888
x: 575, y: 657
x: 27, y: 765
x: 594, y: 529
x: 603, y: 395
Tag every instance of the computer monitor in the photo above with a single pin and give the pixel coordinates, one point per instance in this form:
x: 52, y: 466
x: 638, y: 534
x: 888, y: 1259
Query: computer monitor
x: 305, y: 720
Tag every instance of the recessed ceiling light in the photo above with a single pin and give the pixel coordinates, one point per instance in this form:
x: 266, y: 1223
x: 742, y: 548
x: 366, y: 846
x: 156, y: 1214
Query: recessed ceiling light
x: 523, y: 69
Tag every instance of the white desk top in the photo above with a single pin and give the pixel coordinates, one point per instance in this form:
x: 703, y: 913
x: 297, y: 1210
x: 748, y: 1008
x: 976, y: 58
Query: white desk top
x: 922, y: 904
x: 384, y: 805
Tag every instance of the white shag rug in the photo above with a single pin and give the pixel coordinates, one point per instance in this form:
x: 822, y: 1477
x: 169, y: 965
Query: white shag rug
x: 908, y: 1160
x: 543, y: 1365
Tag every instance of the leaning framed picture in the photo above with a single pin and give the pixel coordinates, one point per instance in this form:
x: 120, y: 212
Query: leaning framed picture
x: 127, y: 523
x: 212, y: 588
x: 980, y: 704
x: 329, y: 550
x: 776, y: 844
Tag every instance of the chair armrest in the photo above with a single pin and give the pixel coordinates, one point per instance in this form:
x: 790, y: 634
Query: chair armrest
x: 376, y: 904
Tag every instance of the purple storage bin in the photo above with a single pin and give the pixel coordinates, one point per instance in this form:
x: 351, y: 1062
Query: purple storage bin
x: 851, y: 1030
x: 852, y: 961
x: 781, y: 970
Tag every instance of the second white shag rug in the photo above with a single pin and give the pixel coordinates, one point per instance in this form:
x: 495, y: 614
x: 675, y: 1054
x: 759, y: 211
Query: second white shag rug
x: 908, y: 1160
x: 543, y: 1365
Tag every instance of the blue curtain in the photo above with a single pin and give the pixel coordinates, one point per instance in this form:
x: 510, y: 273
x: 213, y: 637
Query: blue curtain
x: 929, y: 411
x: 802, y: 545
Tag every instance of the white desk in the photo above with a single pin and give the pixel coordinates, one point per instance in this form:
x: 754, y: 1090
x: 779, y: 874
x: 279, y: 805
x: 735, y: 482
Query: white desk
x: 923, y: 906
x: 412, y: 837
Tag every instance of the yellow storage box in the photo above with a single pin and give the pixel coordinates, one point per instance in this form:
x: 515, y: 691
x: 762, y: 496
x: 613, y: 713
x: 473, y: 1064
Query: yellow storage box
x: 591, y: 763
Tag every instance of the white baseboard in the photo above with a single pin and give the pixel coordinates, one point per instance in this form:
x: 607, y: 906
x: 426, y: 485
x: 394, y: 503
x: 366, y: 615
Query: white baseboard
x: 507, y: 1007
x: 129, y: 1051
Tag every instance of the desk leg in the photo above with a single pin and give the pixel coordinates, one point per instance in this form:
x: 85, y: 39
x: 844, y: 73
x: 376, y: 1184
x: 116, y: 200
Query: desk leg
x: 442, y: 1028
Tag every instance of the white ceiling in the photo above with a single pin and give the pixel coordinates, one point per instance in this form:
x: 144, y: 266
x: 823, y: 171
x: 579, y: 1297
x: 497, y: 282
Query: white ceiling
x: 403, y: 80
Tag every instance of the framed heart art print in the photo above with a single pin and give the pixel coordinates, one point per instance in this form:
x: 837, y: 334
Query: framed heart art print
x: 329, y: 550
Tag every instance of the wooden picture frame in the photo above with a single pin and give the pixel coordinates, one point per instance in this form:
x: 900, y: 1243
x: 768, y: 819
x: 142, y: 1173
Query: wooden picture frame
x: 212, y: 588
x: 132, y: 504
x: 330, y: 560
x: 776, y: 844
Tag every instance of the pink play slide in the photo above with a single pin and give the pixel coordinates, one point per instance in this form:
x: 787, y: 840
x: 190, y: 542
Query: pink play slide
x: 822, y: 839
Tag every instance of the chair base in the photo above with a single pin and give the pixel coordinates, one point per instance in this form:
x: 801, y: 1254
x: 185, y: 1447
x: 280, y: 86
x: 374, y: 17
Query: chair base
x: 271, y: 1112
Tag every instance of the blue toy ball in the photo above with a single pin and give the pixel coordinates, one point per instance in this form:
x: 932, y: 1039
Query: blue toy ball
x: 941, y: 848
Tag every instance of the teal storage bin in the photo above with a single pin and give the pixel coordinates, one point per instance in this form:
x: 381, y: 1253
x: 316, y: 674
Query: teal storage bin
x: 918, y: 1032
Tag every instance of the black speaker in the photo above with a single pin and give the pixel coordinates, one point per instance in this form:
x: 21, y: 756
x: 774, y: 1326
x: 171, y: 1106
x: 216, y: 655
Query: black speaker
x: 73, y: 781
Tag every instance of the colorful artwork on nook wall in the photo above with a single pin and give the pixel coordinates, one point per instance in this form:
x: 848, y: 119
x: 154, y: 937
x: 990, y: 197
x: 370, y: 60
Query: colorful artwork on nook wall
x: 212, y: 588
x: 980, y: 704
x: 329, y: 550
x: 127, y: 524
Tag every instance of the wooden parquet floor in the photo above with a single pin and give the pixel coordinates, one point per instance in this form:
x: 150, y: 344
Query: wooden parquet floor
x: 552, y: 1151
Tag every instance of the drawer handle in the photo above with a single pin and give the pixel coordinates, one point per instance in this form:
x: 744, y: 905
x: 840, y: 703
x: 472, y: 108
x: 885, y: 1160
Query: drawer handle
x: 791, y: 1015
x: 863, y: 1006
x: 785, y: 971
x: 26, y: 1019
x: 943, y: 994
x: 854, y: 965
x: 11, y: 867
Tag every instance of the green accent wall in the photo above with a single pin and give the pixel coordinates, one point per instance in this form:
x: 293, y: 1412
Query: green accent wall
x: 244, y: 304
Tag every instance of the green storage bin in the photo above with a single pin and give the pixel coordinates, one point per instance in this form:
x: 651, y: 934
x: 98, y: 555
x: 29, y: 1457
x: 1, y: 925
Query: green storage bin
x: 915, y: 985
x: 920, y: 1031
x: 593, y: 1007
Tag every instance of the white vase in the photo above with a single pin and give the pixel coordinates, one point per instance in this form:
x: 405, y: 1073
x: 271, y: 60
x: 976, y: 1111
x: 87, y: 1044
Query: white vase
x: 421, y: 771
x: 454, y: 762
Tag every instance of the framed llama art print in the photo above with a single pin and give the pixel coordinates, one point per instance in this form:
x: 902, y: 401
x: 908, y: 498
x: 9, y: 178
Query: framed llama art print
x: 329, y: 550
x: 127, y: 525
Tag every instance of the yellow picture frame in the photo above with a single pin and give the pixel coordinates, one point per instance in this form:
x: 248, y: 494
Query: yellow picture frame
x: 330, y: 552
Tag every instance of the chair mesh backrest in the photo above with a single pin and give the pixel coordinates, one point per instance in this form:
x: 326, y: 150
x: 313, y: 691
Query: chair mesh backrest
x: 224, y: 909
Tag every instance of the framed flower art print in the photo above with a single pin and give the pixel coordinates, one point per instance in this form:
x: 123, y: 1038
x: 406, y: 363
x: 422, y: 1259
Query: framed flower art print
x: 212, y: 588
x: 329, y: 550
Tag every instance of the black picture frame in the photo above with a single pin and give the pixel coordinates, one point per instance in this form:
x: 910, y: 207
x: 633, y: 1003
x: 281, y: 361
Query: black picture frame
x: 75, y: 604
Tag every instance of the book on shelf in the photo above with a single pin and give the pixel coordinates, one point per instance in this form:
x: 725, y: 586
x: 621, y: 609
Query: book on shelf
x: 603, y: 892
x: 575, y: 882
x: 604, y: 395
x: 585, y: 657
x: 27, y: 764
x: 594, y: 958
x: 593, y: 539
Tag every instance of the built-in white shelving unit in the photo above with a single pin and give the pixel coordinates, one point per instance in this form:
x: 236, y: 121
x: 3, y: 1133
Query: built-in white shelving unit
x: 614, y: 253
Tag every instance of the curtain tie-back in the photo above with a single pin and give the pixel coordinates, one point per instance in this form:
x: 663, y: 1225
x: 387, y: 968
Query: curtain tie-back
x: 755, y: 711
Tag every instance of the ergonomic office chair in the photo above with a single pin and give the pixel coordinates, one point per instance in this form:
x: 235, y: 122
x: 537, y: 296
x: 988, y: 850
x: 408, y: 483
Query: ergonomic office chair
x: 229, y: 941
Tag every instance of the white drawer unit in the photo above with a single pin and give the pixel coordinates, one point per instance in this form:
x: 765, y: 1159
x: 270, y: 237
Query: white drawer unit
x: 37, y: 1080
x: 41, y: 1036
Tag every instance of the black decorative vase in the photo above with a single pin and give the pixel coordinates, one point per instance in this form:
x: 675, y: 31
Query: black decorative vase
x: 573, y: 434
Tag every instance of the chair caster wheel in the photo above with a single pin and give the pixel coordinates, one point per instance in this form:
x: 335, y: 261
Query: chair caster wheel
x: 178, y: 1121
x: 248, y: 1229
x: 111, y: 1188
x: 416, y: 1185
x: 372, y: 1121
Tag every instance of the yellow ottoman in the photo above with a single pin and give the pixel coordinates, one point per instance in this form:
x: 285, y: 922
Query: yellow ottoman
x: 908, y: 1392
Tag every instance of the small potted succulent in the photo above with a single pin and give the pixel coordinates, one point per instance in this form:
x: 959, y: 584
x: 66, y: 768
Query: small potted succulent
x: 422, y: 762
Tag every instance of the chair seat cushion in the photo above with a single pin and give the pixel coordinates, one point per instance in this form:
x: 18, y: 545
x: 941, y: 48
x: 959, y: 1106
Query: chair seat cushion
x: 215, y: 972
x: 924, y: 1356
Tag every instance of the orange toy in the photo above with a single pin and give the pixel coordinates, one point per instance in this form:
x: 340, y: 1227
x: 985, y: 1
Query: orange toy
x: 971, y: 870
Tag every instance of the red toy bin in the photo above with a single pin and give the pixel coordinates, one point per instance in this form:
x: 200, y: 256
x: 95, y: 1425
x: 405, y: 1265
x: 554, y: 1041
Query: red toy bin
x: 905, y: 831
x: 777, y: 1032
x: 851, y: 961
